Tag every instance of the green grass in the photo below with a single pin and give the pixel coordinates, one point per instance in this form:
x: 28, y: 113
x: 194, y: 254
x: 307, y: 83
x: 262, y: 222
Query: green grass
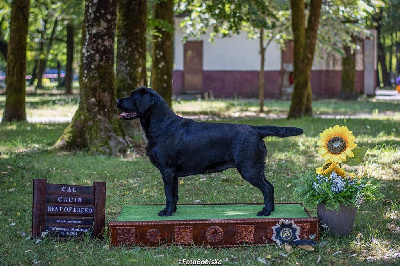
x: 131, y: 179
x: 149, y: 212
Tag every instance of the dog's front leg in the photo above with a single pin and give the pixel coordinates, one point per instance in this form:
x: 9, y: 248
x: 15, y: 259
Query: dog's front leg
x: 168, y: 179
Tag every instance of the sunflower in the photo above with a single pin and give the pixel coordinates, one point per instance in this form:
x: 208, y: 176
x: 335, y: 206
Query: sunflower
x: 341, y: 172
x: 336, y: 144
x: 327, y: 168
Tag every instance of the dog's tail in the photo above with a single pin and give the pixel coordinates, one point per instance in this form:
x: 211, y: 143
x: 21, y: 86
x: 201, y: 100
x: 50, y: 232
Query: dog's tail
x: 281, y: 132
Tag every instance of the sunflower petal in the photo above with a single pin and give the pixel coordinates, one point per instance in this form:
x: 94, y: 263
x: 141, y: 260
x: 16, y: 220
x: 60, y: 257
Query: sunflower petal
x: 318, y: 170
x: 327, y: 156
x: 322, y: 151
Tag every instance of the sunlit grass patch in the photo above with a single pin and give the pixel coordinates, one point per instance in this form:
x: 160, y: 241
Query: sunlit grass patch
x: 132, y: 179
x: 20, y: 137
x: 48, y: 105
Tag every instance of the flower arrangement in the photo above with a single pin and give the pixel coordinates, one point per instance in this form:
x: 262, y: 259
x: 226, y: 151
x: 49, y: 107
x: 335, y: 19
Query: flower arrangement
x: 330, y: 183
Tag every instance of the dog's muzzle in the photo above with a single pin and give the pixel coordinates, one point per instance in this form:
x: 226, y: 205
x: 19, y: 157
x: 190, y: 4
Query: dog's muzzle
x: 126, y: 115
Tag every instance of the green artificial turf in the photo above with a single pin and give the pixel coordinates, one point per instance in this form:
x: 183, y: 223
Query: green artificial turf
x: 205, y: 212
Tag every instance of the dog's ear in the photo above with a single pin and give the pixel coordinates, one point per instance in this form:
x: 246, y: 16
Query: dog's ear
x: 146, y: 101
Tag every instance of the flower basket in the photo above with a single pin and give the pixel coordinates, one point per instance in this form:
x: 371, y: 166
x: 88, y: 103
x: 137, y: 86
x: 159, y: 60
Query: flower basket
x: 336, y: 192
x: 337, y: 222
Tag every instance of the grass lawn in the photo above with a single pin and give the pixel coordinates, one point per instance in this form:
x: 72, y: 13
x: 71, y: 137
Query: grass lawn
x: 131, y: 179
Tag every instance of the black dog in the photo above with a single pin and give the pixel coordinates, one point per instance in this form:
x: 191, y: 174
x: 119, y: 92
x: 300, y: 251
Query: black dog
x: 181, y: 147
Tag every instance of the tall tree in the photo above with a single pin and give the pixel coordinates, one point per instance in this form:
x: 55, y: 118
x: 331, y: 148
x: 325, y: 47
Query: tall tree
x: 346, y: 18
x: 16, y: 62
x: 71, y: 15
x: 131, y: 46
x: 304, y: 39
x: 131, y: 56
x: 95, y: 125
x: 45, y: 19
x: 378, y: 18
x: 385, y: 18
x: 347, y: 90
x: 45, y: 55
x: 161, y: 79
x: 3, y: 42
x: 70, y: 58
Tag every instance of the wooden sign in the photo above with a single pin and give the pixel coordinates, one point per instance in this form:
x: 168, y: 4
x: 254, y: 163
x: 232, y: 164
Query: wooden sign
x: 68, y: 210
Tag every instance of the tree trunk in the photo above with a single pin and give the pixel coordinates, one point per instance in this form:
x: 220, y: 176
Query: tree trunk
x: 95, y: 125
x: 39, y: 53
x: 34, y: 73
x: 304, y: 39
x: 131, y: 46
x: 3, y: 42
x: 43, y: 59
x: 59, y: 74
x: 162, y: 50
x: 382, y: 63
x: 131, y: 58
x: 397, y: 54
x: 391, y: 48
x: 261, y: 77
x: 347, y: 91
x: 381, y: 50
x: 40, y: 72
x: 16, y: 62
x: 69, y: 74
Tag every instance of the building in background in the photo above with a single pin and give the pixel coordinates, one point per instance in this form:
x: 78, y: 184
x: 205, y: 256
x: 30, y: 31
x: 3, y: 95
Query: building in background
x: 229, y: 67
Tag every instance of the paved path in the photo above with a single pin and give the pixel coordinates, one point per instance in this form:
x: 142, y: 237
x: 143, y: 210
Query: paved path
x: 383, y: 95
x: 387, y: 95
x: 49, y: 120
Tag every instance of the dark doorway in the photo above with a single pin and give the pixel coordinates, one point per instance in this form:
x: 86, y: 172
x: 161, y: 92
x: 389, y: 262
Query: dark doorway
x: 193, y: 67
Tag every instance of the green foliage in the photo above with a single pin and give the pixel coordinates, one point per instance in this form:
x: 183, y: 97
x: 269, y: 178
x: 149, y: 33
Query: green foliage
x: 334, y: 190
x: 42, y: 16
x: 227, y: 17
x: 359, y: 153
x: 340, y: 21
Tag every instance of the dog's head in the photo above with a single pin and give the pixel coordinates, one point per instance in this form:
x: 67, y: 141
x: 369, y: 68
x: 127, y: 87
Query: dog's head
x: 134, y: 106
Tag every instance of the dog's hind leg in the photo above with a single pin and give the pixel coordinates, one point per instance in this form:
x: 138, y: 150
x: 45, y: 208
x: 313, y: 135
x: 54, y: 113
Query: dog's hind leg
x: 273, y: 191
x: 175, y: 193
x: 257, y: 179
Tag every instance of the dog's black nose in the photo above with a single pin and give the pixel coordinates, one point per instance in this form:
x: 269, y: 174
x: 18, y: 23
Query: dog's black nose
x: 117, y: 101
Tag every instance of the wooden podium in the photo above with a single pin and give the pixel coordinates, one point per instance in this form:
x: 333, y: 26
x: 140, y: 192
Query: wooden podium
x: 214, y: 225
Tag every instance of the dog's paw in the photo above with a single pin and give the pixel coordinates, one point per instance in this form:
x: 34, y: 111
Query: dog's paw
x: 264, y: 212
x: 165, y: 212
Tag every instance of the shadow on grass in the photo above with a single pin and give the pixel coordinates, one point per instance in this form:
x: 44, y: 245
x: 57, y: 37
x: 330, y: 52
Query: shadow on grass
x: 133, y: 180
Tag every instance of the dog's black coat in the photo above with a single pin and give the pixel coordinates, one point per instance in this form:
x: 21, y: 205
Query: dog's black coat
x: 181, y: 147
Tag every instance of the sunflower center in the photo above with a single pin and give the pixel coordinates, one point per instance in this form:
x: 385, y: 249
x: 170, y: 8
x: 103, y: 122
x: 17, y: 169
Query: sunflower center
x: 336, y: 145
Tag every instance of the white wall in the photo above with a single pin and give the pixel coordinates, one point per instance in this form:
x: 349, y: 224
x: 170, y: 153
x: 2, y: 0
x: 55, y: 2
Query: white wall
x: 242, y: 54
x: 230, y: 53
x: 178, y: 46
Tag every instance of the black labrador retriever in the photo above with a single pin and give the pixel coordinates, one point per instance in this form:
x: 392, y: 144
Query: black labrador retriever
x: 180, y: 147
